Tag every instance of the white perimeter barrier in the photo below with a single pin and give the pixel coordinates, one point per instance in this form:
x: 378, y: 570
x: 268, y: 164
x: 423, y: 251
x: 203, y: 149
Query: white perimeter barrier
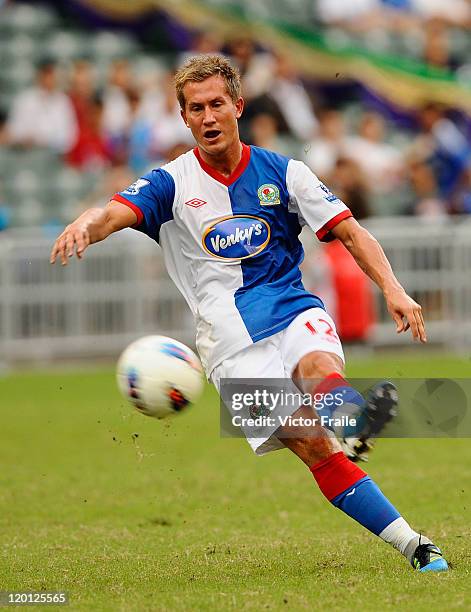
x: 121, y: 291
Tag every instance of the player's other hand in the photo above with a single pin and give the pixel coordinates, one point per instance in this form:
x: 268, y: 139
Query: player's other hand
x: 73, y: 240
x: 406, y: 314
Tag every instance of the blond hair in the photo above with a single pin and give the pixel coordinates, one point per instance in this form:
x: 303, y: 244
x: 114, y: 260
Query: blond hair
x: 201, y: 67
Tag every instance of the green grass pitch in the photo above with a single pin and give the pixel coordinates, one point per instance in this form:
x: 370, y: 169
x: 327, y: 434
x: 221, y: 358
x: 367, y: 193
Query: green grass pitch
x: 127, y: 513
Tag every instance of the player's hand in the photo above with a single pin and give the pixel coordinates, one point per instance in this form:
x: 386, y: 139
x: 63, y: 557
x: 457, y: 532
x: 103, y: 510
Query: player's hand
x: 73, y: 240
x: 406, y: 314
x: 94, y: 225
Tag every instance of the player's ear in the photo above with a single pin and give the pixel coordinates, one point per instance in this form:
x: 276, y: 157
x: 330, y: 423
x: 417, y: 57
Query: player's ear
x: 239, y: 107
x: 183, y: 114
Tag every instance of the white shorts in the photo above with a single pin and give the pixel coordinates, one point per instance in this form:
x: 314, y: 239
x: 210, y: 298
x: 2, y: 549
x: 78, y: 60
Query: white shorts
x: 277, y: 357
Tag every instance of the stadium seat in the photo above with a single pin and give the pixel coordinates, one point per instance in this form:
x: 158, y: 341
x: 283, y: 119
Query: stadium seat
x: 21, y: 46
x: 66, y: 46
x: 69, y: 181
x: 25, y: 182
x: 27, y: 211
x: 110, y: 45
x: 18, y: 75
x: 27, y: 18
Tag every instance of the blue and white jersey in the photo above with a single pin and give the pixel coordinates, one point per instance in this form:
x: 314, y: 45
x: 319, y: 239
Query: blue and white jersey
x: 231, y: 244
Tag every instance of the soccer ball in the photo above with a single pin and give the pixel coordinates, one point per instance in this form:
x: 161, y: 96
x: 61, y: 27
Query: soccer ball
x: 159, y: 376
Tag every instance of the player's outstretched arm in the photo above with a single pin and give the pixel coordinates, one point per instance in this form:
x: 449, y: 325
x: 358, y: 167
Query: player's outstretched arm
x: 94, y: 225
x: 371, y: 258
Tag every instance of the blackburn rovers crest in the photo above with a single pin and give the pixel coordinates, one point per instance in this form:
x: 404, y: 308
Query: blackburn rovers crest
x: 269, y: 195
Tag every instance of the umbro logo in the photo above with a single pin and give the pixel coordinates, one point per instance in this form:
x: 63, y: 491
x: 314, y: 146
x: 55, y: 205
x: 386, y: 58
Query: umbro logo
x: 195, y: 203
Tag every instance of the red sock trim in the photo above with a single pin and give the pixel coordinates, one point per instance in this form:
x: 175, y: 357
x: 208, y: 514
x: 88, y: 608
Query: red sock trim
x: 336, y: 474
x: 330, y: 382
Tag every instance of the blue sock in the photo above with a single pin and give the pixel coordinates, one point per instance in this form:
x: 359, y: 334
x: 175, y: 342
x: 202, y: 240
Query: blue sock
x: 351, y: 490
x: 365, y: 502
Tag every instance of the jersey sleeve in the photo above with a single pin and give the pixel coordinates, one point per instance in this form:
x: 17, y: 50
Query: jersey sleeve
x: 315, y: 205
x: 151, y: 197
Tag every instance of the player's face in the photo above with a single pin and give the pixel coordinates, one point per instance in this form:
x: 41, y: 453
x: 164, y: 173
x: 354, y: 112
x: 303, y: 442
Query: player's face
x: 211, y: 114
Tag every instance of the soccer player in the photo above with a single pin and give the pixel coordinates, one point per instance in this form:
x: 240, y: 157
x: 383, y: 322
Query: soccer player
x: 227, y: 217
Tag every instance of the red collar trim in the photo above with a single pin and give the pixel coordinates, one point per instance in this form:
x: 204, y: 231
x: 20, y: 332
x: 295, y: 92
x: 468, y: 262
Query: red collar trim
x: 225, y: 180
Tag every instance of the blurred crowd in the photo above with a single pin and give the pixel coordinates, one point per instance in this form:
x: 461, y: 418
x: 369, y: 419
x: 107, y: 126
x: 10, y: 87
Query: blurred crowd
x: 432, y: 31
x: 119, y: 127
x: 392, y: 15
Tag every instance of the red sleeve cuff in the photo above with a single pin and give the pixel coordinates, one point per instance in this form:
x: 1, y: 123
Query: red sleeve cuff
x: 140, y: 217
x: 322, y: 234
